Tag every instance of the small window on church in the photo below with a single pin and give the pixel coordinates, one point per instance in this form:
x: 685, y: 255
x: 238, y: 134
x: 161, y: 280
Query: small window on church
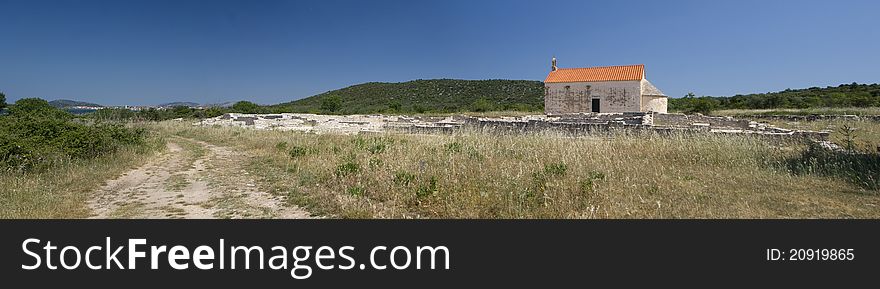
x: 567, y: 87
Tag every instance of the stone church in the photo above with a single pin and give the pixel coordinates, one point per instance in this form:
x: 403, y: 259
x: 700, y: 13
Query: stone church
x: 601, y: 89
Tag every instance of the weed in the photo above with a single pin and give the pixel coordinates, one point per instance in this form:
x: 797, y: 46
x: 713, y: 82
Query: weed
x: 403, y: 178
x: 298, y: 151
x: 376, y: 148
x: 428, y: 189
x: 849, y: 136
x: 347, y: 168
x: 356, y: 191
x: 555, y: 169
x: 453, y: 147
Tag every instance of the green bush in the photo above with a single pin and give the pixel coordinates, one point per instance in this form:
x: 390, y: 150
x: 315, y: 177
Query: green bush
x: 35, y: 135
x: 246, y: 107
x: 37, y: 108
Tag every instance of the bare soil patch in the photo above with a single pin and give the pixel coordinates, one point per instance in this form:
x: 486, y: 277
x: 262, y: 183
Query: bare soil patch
x: 191, y: 180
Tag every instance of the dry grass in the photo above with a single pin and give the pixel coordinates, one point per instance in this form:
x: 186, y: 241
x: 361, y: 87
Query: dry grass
x: 866, y: 133
x: 63, y: 190
x: 482, y: 175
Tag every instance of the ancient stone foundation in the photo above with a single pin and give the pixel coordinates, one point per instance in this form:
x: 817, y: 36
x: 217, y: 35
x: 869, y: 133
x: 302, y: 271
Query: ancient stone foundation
x: 572, y: 123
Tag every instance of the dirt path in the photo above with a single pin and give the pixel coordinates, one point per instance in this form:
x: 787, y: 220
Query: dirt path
x: 191, y: 180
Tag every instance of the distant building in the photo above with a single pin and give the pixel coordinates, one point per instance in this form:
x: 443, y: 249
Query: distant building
x: 601, y: 89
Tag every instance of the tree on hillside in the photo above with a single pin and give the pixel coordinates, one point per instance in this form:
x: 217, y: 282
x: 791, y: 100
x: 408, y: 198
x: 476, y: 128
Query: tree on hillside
x: 245, y: 107
x: 395, y: 106
x: 331, y: 103
x: 482, y: 105
x: 2, y: 101
x: 36, y: 107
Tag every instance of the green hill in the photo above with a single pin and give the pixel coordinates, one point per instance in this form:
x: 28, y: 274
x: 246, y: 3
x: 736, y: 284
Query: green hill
x: 179, y: 103
x: 436, y: 95
x: 65, y: 103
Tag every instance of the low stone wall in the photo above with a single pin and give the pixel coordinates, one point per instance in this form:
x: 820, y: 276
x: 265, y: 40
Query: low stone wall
x: 571, y: 123
x: 678, y: 119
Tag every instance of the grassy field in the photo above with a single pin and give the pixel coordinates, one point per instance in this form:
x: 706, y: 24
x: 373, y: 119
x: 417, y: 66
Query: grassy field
x: 474, y: 174
x: 63, y: 190
x: 481, y: 175
x: 864, y: 134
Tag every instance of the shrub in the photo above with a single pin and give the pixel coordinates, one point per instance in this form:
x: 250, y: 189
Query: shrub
x: 36, y: 135
x: 38, y: 108
x: 298, y: 151
x: 245, y: 107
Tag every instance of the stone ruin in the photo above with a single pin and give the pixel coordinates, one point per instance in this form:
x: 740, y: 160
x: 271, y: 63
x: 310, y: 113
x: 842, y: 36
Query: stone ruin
x: 573, y: 123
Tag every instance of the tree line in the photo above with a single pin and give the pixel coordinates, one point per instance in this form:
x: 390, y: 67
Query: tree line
x: 844, y: 95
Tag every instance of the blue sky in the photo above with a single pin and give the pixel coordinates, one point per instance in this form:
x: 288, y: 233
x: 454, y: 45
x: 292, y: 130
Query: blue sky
x: 150, y: 52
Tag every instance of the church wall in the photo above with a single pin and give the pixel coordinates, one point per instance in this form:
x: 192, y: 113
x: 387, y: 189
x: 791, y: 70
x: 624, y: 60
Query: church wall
x: 654, y: 103
x: 614, y: 96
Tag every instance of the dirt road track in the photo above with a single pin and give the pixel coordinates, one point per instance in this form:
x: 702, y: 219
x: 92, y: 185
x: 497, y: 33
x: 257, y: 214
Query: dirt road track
x: 190, y: 180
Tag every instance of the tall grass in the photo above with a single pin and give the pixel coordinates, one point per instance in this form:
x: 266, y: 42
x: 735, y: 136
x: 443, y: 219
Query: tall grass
x: 475, y: 174
x: 864, y: 134
x: 62, y: 190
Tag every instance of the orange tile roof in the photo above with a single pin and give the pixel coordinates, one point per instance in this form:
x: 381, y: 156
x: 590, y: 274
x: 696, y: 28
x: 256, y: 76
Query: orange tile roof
x: 605, y: 73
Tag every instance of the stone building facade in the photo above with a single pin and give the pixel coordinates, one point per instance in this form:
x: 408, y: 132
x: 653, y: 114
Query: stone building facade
x: 601, y: 89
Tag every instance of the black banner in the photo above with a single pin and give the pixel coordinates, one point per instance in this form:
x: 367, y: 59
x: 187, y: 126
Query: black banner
x: 508, y: 253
